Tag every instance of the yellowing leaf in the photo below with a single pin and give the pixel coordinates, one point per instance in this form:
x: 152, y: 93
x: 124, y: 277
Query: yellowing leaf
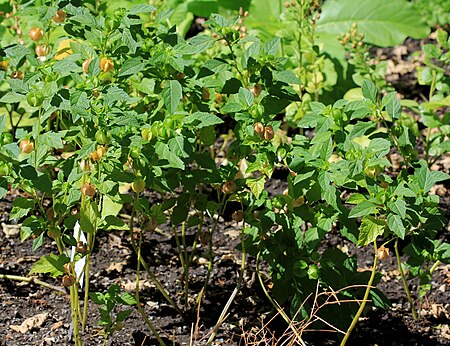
x: 64, y: 49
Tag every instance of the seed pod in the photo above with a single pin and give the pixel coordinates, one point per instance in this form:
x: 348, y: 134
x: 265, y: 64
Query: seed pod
x: 298, y: 202
x: 36, y: 34
x: 259, y: 128
x: 85, y: 65
x: 98, y: 153
x: 150, y: 224
x: 382, y: 253
x: 68, y: 280
x: 88, y: 189
x: 60, y: 16
x: 17, y: 75
x: 26, y: 146
x: 205, y: 237
x: 81, y: 247
x: 42, y: 50
x: 268, y: 133
x: 205, y: 94
x: 50, y: 214
x: 68, y: 269
x: 138, y: 185
x: 106, y: 65
x: 238, y: 215
x: 4, y: 65
x: 229, y: 187
x: 53, y: 233
x: 256, y: 90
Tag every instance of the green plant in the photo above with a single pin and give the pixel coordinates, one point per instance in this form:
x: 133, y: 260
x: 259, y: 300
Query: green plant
x: 122, y: 104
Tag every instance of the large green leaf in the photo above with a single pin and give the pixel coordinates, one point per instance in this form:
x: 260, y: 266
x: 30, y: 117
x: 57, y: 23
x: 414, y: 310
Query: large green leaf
x: 384, y: 23
x: 172, y: 94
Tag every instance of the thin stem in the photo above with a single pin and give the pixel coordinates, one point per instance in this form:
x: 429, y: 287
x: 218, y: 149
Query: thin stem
x: 366, y: 296
x: 186, y: 264
x: 405, y: 284
x: 223, y: 315
x: 434, y: 267
x: 141, y: 310
x: 144, y: 264
x: 32, y: 280
x: 75, y: 305
x: 275, y: 304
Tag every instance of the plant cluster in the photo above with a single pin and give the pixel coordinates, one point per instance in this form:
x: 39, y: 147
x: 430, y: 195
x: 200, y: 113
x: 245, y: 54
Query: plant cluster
x: 105, y: 105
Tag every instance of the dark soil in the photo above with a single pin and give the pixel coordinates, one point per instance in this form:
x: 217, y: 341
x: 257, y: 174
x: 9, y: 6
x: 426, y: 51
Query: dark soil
x: 248, y: 319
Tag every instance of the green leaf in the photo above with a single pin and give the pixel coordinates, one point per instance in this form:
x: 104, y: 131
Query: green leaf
x: 362, y: 209
x: 202, y: 119
x: 202, y: 43
x: 392, y: 105
x: 384, y: 23
x: 427, y: 178
x: 21, y: 207
x: 143, y: 8
x: 369, y: 230
x: 130, y: 67
x: 165, y: 153
x: 398, y: 207
x: 246, y: 97
x: 256, y: 185
x: 12, y: 97
x: 127, y: 299
x: 172, y: 94
x: 356, y: 198
x: 52, y: 264
x: 369, y: 90
x: 395, y: 224
x: 271, y: 47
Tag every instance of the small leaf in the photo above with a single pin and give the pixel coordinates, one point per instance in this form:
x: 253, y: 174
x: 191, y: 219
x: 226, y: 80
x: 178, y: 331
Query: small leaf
x: 256, y: 185
x: 246, y: 97
x: 142, y: 8
x: 172, y: 94
x: 369, y: 90
x: 395, y: 224
x: 202, y: 119
x: 362, y: 209
x: 392, y: 105
x: 52, y: 264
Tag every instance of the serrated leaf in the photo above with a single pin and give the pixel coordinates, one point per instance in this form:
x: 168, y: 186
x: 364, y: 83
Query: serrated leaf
x: 271, y: 47
x: 392, y: 105
x: 127, y: 299
x: 172, y: 94
x: 202, y: 119
x: 201, y: 43
x: 232, y: 107
x: 398, y: 207
x: 356, y: 198
x: 131, y: 67
x: 12, y: 97
x: 142, y: 8
x: 165, y: 153
x: 369, y: 90
x: 256, y: 185
x: 246, y: 97
x: 369, y: 230
x: 52, y: 264
x: 21, y: 207
x: 362, y: 209
x: 395, y: 224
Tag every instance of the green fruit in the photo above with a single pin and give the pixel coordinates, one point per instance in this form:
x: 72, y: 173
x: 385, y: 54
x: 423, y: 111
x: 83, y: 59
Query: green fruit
x: 135, y: 152
x: 101, y: 137
x: 138, y: 185
x: 7, y: 138
x: 35, y: 99
x: 146, y: 134
x: 4, y: 170
x: 313, y: 272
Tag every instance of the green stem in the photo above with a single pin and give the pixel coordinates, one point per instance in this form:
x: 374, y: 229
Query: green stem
x: 186, y: 265
x: 144, y: 264
x: 434, y: 267
x: 75, y: 305
x: 138, y: 304
x: 366, y: 296
x: 223, y: 315
x: 405, y: 284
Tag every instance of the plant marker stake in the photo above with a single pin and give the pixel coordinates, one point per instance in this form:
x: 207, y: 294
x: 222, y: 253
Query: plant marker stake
x: 79, y: 235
